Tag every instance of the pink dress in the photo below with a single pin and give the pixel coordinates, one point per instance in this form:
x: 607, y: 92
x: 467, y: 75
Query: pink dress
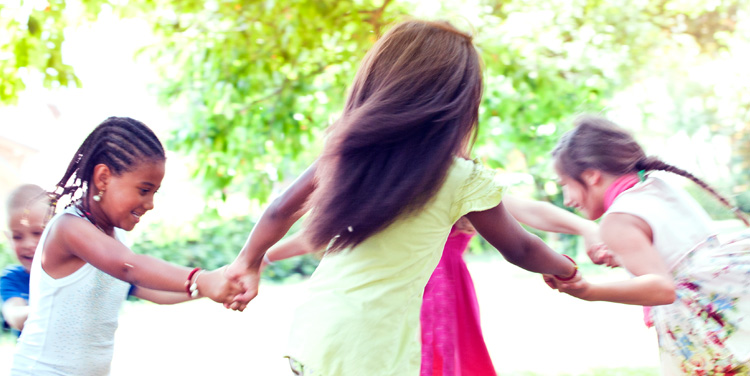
x: 452, y: 342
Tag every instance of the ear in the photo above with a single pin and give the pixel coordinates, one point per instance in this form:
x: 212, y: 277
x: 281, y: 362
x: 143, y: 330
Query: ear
x: 101, y: 176
x: 591, y: 177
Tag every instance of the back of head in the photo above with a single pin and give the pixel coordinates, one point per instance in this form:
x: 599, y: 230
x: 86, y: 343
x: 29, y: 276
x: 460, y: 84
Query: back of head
x: 599, y: 144
x: 121, y: 143
x: 413, y: 106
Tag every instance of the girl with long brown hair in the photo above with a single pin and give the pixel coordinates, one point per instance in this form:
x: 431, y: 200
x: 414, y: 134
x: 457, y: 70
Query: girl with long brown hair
x: 451, y: 330
x: 698, y: 284
x: 382, y: 198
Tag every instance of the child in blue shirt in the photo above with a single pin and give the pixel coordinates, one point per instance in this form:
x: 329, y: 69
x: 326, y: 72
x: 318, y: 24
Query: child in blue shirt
x: 26, y: 210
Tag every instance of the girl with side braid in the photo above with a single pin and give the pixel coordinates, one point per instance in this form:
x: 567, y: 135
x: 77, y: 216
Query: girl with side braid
x: 697, y: 283
x: 82, y: 272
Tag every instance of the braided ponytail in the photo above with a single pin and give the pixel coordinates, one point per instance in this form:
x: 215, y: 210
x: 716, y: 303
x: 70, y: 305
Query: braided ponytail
x: 652, y: 163
x: 599, y: 144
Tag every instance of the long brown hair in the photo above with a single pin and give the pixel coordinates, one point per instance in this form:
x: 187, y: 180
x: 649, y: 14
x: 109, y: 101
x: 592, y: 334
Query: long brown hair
x: 599, y: 144
x: 413, y: 106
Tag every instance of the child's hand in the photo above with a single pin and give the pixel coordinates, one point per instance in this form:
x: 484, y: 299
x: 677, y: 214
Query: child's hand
x: 564, y: 286
x: 549, y: 279
x: 248, y: 278
x: 600, y: 255
x: 217, y: 287
x: 577, y: 288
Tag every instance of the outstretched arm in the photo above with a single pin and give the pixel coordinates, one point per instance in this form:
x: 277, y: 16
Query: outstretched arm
x: 630, y: 238
x: 274, y: 223
x: 161, y: 297
x: 292, y: 246
x: 548, y: 217
x: 517, y: 245
x: 73, y: 240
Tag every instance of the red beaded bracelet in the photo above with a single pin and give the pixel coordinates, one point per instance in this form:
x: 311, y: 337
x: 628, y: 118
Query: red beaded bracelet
x: 575, y: 271
x: 190, y: 277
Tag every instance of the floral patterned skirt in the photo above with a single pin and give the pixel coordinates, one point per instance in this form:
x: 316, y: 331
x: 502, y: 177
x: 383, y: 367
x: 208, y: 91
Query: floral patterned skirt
x: 706, y: 331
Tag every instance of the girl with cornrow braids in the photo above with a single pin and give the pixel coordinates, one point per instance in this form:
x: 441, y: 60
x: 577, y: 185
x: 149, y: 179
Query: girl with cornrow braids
x: 697, y: 284
x: 82, y: 272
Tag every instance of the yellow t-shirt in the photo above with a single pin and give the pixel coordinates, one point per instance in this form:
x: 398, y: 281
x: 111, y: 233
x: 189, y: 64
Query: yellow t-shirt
x: 361, y: 313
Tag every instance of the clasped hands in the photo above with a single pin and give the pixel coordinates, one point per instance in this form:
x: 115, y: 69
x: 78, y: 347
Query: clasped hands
x: 577, y: 286
x: 230, y: 285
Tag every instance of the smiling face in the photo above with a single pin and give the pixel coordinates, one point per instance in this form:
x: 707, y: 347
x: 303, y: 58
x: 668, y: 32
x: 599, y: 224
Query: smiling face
x: 25, y: 227
x: 586, y: 197
x: 126, y: 197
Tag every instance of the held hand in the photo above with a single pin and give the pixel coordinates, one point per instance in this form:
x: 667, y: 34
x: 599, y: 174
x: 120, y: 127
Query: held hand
x: 218, y: 288
x: 577, y: 288
x: 550, y: 281
x: 554, y: 282
x: 248, y: 278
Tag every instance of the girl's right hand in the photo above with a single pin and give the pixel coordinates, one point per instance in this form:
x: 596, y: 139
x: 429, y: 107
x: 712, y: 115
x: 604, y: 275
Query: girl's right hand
x: 217, y: 287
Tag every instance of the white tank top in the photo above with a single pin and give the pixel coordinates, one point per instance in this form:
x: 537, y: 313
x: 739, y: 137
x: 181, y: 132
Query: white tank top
x: 72, y: 320
x: 678, y: 223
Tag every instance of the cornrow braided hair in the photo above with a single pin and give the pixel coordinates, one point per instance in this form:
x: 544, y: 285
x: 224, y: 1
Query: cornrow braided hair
x: 597, y: 143
x: 121, y: 143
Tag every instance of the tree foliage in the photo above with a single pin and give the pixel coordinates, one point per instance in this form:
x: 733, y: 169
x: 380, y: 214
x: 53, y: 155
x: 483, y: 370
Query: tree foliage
x: 255, y: 83
x: 31, y: 43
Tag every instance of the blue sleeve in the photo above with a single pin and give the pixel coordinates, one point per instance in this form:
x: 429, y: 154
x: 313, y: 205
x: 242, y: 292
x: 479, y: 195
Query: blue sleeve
x: 132, y: 290
x: 14, y: 283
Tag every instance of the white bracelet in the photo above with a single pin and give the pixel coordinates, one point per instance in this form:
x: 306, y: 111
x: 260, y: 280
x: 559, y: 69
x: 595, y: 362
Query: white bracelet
x: 266, y: 259
x: 194, y: 286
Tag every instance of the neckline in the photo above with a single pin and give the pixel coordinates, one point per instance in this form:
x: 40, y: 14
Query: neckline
x: 620, y: 185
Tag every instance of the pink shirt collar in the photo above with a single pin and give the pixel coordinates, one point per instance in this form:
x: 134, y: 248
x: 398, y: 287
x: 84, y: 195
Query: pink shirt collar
x: 621, y: 184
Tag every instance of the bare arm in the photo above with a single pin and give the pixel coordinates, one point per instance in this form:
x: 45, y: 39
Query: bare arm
x: 73, y: 241
x: 292, y: 246
x: 274, y: 223
x: 276, y: 220
x: 77, y: 237
x: 547, y: 217
x: 161, y: 297
x: 630, y: 238
x: 15, y: 312
x: 517, y: 245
